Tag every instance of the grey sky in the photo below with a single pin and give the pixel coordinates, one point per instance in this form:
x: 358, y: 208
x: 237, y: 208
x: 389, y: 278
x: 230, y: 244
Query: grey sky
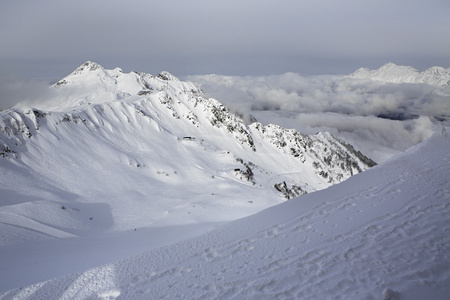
x: 49, y: 39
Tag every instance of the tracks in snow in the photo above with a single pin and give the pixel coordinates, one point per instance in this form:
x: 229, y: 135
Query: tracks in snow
x: 24, y: 222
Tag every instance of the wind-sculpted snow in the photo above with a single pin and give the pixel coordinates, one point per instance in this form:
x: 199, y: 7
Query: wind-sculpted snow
x: 382, y: 234
x: 118, y: 153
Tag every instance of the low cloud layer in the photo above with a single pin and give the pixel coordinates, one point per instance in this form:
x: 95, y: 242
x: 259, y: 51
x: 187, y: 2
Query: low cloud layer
x: 380, y: 119
x: 336, y: 94
x: 42, y: 94
x: 13, y: 92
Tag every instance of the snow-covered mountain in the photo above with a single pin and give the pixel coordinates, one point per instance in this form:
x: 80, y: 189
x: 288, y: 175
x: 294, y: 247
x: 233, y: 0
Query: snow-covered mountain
x: 114, y: 153
x: 382, y: 234
x: 115, y: 108
x: 120, y: 185
x: 393, y: 73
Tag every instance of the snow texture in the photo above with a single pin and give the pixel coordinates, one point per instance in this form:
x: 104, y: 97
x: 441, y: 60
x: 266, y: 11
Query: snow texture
x: 135, y: 186
x: 382, y: 234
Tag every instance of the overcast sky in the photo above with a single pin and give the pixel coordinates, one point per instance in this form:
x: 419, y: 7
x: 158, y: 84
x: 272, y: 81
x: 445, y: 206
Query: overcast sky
x: 49, y: 39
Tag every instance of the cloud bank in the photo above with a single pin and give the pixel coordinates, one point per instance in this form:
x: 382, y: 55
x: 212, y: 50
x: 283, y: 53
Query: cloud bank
x: 380, y: 119
x: 336, y: 94
x: 26, y: 92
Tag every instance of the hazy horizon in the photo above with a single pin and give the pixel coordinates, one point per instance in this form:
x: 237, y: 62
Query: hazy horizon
x: 48, y: 39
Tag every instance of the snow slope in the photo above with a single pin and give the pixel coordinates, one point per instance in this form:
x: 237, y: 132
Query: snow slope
x: 382, y: 234
x: 117, y: 163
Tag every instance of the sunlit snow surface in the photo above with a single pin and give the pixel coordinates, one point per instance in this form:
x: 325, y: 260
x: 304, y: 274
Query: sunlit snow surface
x: 114, y: 164
x: 129, y: 181
x: 382, y: 234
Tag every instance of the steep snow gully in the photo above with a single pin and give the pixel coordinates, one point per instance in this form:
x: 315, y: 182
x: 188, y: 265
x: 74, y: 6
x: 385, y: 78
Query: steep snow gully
x: 382, y: 234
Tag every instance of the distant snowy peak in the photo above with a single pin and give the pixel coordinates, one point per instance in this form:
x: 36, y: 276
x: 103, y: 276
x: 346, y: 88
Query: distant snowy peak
x: 87, y: 67
x: 393, y: 73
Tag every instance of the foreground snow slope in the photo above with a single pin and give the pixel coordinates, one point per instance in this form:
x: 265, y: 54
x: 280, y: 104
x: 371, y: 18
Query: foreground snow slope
x: 382, y: 234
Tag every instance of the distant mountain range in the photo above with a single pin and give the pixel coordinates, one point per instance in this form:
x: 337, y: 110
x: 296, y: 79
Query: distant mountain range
x: 391, y: 72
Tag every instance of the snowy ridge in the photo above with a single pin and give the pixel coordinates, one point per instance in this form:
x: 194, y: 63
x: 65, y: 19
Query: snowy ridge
x: 115, y: 153
x: 382, y: 234
x: 168, y: 105
x: 393, y: 73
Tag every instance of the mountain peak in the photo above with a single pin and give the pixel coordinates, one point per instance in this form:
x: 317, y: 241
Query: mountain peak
x: 437, y: 71
x: 391, y: 67
x: 87, y: 66
x: 90, y: 83
x: 164, y: 75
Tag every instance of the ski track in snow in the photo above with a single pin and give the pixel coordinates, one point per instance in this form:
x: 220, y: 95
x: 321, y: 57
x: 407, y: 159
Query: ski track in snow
x: 23, y: 222
x: 388, y: 228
